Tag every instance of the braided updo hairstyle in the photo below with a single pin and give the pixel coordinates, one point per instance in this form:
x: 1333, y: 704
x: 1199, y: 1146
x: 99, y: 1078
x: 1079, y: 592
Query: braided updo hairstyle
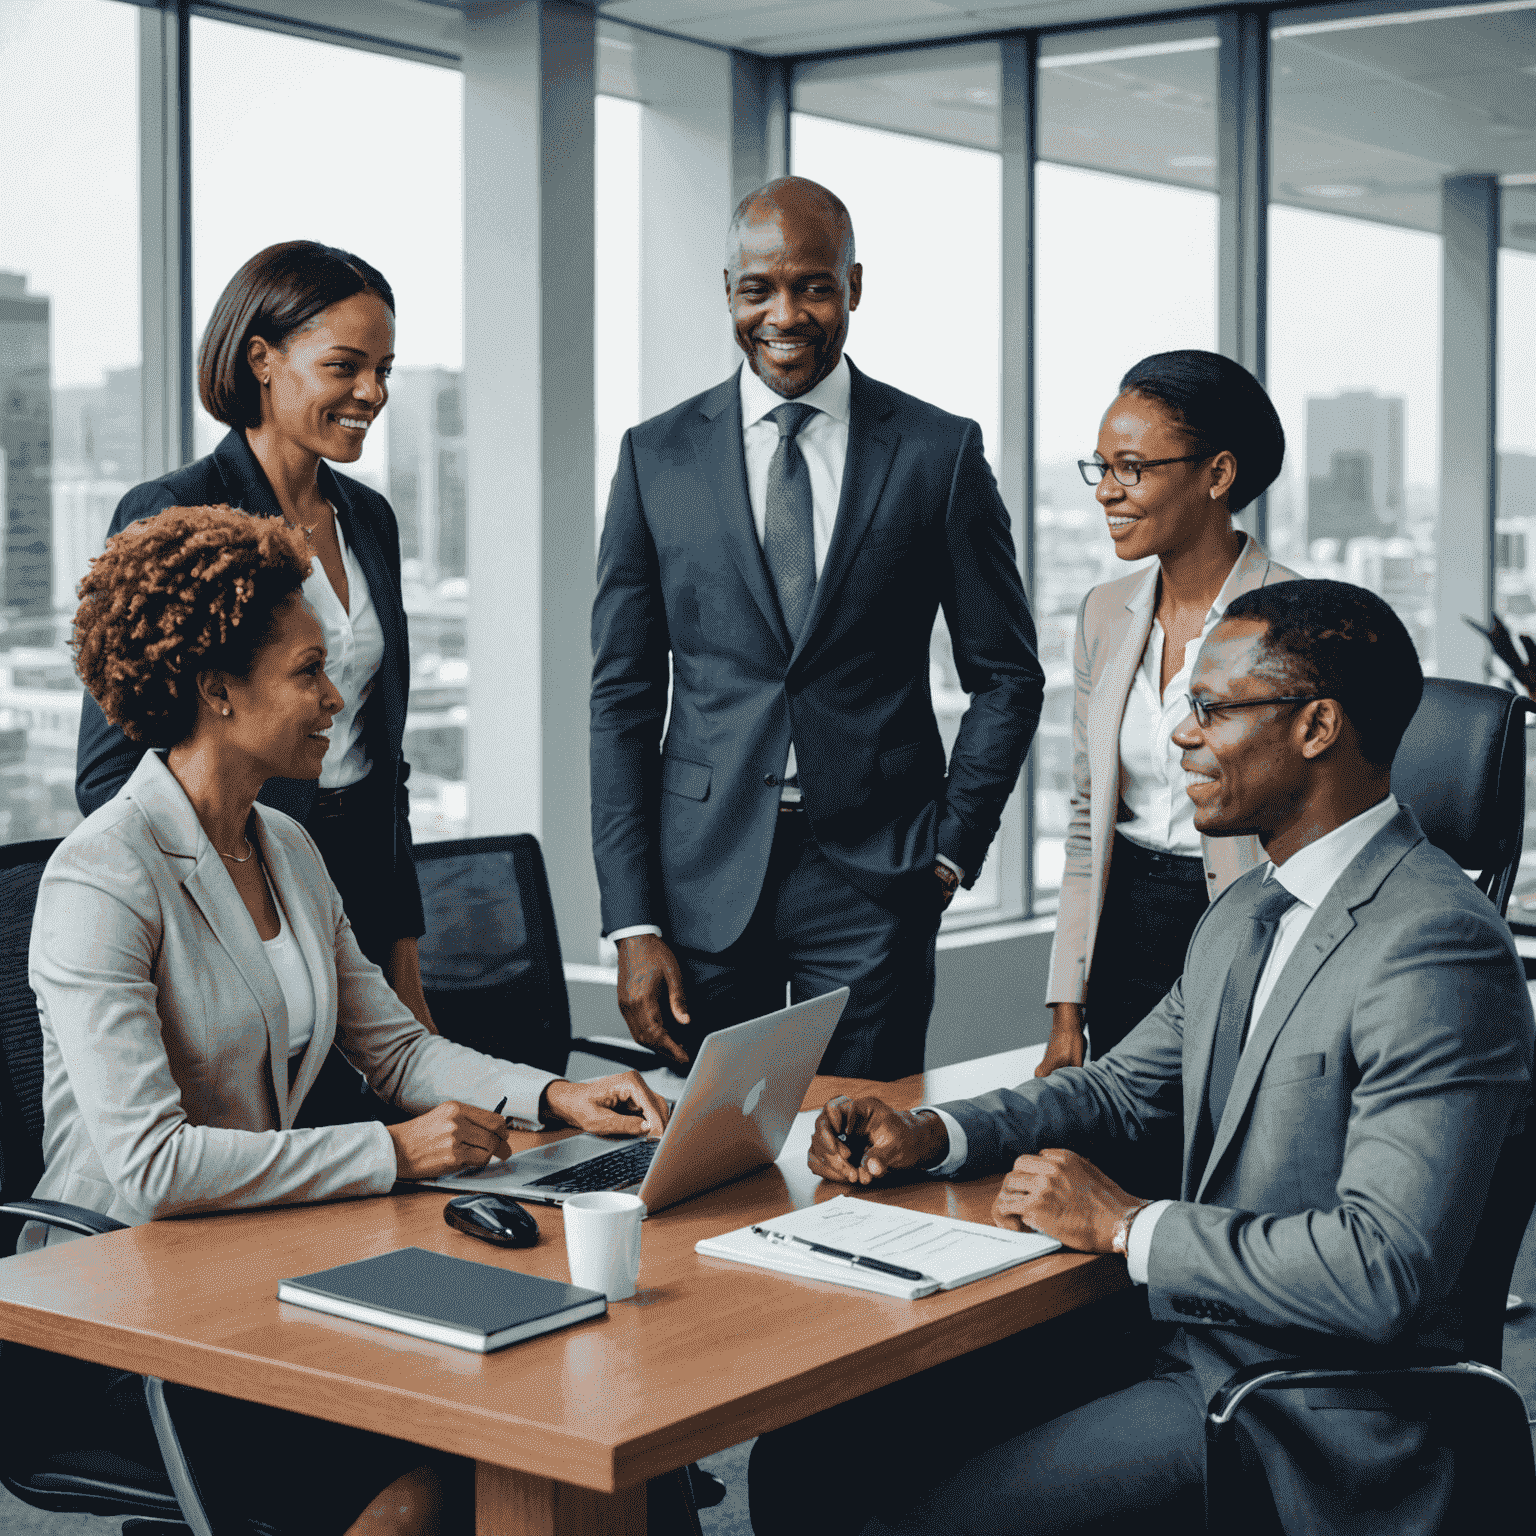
x: 190, y: 590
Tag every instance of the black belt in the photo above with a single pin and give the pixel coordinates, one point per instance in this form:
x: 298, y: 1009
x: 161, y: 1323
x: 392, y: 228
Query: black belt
x: 333, y: 804
x: 1167, y: 866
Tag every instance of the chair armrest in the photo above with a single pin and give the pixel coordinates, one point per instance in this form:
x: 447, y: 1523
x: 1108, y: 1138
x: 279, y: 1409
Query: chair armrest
x: 55, y: 1213
x: 635, y: 1057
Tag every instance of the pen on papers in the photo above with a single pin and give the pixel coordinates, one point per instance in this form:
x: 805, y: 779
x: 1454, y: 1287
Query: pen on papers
x: 841, y: 1256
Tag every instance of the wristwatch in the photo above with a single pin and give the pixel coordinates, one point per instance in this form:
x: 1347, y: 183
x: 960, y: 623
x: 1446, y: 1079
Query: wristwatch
x: 1122, y: 1234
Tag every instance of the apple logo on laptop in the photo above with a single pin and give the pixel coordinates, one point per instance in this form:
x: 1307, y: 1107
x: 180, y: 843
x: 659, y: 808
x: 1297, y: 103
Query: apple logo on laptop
x: 750, y: 1102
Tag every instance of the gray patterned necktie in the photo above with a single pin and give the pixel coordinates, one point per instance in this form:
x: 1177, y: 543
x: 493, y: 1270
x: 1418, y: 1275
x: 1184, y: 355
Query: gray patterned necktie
x: 789, y: 535
x: 1236, y: 1007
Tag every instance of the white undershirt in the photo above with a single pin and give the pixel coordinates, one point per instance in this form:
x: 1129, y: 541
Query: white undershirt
x: 287, y: 961
x: 354, y: 651
x: 1308, y: 875
x: 1152, y: 782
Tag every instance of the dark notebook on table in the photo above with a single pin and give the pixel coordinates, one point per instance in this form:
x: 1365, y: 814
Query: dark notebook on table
x: 448, y: 1300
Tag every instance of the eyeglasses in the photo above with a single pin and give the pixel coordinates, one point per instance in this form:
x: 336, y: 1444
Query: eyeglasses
x: 1204, y: 709
x: 1094, y: 470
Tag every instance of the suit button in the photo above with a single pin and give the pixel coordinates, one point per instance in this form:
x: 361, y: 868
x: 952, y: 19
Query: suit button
x: 770, y: 779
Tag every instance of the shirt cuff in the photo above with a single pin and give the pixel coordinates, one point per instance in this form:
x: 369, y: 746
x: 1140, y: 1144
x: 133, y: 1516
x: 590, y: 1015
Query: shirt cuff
x: 632, y: 933
x: 1138, y: 1246
x: 950, y: 864
x: 959, y: 1148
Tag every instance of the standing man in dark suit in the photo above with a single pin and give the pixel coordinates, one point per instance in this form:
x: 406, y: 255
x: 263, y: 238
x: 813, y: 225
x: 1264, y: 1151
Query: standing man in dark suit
x: 777, y: 549
x: 1343, y: 1060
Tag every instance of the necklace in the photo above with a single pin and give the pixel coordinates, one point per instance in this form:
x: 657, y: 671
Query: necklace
x: 309, y: 538
x: 233, y: 860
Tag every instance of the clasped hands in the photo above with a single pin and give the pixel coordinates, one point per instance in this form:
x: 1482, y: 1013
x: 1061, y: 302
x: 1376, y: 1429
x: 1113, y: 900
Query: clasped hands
x: 863, y: 1140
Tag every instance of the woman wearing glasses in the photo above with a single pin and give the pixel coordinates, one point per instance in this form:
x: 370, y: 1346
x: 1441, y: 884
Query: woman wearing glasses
x: 1190, y: 440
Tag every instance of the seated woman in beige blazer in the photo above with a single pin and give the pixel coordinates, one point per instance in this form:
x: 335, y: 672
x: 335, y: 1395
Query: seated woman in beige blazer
x: 1190, y: 439
x: 193, y: 964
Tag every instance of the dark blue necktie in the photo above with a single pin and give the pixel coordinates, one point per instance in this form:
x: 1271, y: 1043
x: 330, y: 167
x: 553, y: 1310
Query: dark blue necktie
x: 789, y: 533
x: 1236, y: 1006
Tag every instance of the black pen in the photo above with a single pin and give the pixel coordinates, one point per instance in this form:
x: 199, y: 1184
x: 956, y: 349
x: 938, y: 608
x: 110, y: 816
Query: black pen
x: 501, y: 1106
x: 840, y: 1256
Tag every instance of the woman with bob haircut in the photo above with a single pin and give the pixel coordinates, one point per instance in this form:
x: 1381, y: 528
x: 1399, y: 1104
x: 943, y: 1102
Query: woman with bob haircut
x: 193, y: 963
x: 295, y: 362
x: 1190, y: 439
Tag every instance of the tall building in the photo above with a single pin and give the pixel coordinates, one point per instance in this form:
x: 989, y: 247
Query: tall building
x: 96, y: 429
x: 26, y: 491
x: 427, y: 455
x: 1354, y: 466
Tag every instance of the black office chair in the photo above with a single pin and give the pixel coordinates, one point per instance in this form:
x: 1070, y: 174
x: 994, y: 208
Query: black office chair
x: 490, y: 958
x: 158, y: 1500
x: 1461, y: 767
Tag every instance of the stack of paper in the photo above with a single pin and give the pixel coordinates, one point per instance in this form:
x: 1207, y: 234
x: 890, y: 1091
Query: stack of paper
x: 947, y: 1252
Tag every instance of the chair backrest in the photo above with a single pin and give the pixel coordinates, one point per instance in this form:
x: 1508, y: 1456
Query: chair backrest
x: 21, y: 1037
x: 490, y: 958
x: 1461, y: 766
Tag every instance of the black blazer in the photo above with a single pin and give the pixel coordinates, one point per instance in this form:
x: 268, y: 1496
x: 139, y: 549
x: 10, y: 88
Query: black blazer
x: 682, y: 828
x: 231, y: 474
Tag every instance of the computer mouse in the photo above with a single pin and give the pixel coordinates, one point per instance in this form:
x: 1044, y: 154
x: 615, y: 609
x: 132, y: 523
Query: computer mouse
x: 495, y: 1219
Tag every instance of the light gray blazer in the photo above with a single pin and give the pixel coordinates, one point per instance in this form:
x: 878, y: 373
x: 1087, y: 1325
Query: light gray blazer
x: 1112, y: 634
x: 165, y: 1034
x: 1349, y: 1169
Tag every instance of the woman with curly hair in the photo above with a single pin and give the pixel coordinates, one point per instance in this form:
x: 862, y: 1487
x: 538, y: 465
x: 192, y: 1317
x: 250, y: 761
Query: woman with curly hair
x: 296, y: 361
x: 193, y: 963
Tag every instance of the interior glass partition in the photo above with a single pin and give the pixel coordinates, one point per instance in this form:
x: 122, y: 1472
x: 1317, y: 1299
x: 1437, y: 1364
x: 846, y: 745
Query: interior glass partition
x: 1125, y: 264
x: 295, y: 139
x: 70, y: 440
x: 910, y: 142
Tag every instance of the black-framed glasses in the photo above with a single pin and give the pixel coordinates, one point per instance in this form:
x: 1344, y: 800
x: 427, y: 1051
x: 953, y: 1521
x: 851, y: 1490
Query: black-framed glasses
x: 1094, y: 470
x: 1203, y: 709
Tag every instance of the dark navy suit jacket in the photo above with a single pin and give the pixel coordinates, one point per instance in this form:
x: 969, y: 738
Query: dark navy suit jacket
x: 682, y: 828
x: 231, y: 475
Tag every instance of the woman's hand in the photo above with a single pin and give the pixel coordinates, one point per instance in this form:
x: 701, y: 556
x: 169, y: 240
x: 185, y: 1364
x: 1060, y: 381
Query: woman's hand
x: 1066, y: 1047
x: 608, y: 1106
x: 447, y: 1138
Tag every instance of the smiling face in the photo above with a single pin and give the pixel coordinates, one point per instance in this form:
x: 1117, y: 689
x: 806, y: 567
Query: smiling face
x: 325, y: 387
x: 1174, y: 505
x: 281, y: 711
x: 791, y: 289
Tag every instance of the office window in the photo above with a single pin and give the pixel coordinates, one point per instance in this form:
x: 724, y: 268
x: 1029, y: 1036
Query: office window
x: 910, y: 143
x: 69, y: 367
x: 1126, y: 220
x: 616, y: 312
x: 293, y: 139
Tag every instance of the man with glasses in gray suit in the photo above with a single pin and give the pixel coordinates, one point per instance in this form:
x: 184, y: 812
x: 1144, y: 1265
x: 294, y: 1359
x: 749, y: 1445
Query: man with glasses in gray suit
x: 774, y: 555
x: 1344, y: 1056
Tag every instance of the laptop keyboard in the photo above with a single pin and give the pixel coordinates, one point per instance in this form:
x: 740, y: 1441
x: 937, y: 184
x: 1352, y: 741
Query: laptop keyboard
x: 612, y: 1170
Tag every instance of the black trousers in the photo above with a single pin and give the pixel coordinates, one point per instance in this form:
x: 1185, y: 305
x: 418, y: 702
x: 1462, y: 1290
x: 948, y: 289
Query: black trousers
x: 1150, y: 910
x: 812, y: 931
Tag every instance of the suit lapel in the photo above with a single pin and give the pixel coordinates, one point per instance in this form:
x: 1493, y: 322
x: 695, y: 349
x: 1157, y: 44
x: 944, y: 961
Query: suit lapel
x: 245, y: 484
x: 1106, y: 708
x: 872, y: 442
x: 723, y: 466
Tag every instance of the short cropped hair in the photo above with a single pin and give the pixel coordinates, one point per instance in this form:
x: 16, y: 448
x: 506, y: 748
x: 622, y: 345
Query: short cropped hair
x: 1220, y: 406
x: 1340, y: 642
x: 278, y: 292
x: 190, y: 590
x: 773, y: 195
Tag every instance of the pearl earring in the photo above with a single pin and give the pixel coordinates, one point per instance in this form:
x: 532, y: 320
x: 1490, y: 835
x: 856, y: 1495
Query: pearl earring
x: 226, y: 709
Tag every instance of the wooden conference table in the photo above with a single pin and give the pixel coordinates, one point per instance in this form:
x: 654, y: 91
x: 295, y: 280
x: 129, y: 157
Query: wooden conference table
x: 565, y: 1428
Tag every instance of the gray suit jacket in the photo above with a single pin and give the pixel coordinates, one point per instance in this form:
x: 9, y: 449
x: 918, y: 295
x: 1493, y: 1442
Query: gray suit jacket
x: 165, y: 1034
x: 1349, y: 1169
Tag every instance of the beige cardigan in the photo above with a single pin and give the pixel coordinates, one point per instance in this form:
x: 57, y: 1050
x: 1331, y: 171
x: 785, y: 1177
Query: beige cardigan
x: 165, y: 1033
x: 1111, y: 640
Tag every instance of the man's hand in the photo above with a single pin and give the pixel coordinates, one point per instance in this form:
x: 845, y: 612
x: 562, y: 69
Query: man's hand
x: 857, y: 1141
x: 1066, y: 1046
x: 607, y: 1106
x: 651, y: 987
x: 1064, y: 1196
x: 447, y: 1138
x: 949, y: 880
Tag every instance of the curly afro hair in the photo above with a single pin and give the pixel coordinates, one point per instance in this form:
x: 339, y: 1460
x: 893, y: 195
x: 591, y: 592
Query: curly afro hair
x: 190, y: 590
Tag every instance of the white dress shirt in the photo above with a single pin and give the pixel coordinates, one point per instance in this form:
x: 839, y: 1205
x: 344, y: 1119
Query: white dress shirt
x: 1308, y: 875
x: 354, y: 652
x: 1162, y: 815
x: 287, y: 960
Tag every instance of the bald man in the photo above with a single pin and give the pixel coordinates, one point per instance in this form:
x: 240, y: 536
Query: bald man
x: 775, y: 552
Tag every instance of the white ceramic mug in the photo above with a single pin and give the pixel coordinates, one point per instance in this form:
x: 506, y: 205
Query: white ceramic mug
x: 602, y: 1242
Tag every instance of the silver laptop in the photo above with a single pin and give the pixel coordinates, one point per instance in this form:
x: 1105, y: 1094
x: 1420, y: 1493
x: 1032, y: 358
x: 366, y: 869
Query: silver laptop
x: 732, y: 1117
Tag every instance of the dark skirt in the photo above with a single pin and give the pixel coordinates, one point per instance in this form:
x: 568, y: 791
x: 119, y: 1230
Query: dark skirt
x: 1151, y: 906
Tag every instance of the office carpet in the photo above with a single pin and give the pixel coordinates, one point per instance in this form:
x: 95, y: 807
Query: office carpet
x: 730, y: 1518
